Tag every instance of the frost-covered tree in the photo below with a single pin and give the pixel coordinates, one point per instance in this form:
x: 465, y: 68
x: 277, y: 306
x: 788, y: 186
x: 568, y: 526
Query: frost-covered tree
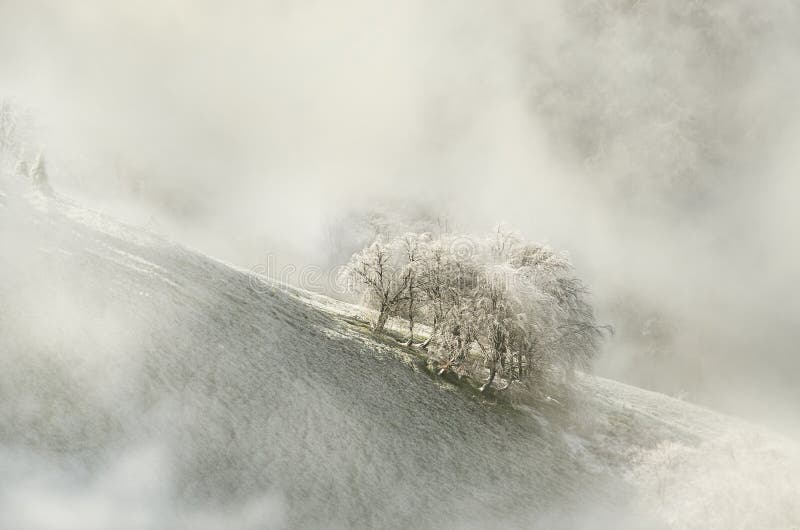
x: 496, y: 315
x: 412, y: 246
x: 433, y: 278
x: 563, y: 331
x: 38, y: 174
x: 16, y: 130
x: 497, y: 306
x: 21, y: 168
x: 8, y: 127
x: 380, y: 273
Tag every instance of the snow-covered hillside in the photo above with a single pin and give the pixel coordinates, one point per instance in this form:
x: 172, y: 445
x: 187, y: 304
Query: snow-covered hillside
x: 143, y: 385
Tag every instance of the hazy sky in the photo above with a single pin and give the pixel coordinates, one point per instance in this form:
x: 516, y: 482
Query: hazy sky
x: 654, y: 141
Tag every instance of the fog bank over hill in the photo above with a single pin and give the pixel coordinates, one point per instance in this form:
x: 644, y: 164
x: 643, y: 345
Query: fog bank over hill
x: 144, y: 386
x: 654, y: 141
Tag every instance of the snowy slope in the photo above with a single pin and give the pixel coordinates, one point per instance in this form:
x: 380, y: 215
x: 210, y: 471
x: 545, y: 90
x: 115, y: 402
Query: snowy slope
x: 143, y: 385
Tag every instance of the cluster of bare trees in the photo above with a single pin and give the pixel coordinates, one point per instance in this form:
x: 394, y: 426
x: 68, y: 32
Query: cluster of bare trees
x: 495, y: 304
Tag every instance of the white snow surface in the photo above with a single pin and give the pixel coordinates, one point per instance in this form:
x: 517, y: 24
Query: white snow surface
x: 144, y: 385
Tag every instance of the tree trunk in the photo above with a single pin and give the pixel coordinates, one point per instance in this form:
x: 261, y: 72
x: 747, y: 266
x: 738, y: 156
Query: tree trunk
x: 411, y: 311
x: 383, y: 316
x: 424, y: 344
x: 492, y: 373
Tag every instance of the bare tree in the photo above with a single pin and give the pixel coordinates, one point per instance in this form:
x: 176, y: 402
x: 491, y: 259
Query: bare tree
x: 375, y: 271
x: 433, y: 276
x: 8, y: 127
x: 21, y: 168
x: 16, y: 129
x: 38, y: 174
x: 412, y: 247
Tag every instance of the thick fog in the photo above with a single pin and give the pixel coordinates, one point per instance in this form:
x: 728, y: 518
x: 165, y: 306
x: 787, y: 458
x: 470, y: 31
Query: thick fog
x: 653, y: 141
